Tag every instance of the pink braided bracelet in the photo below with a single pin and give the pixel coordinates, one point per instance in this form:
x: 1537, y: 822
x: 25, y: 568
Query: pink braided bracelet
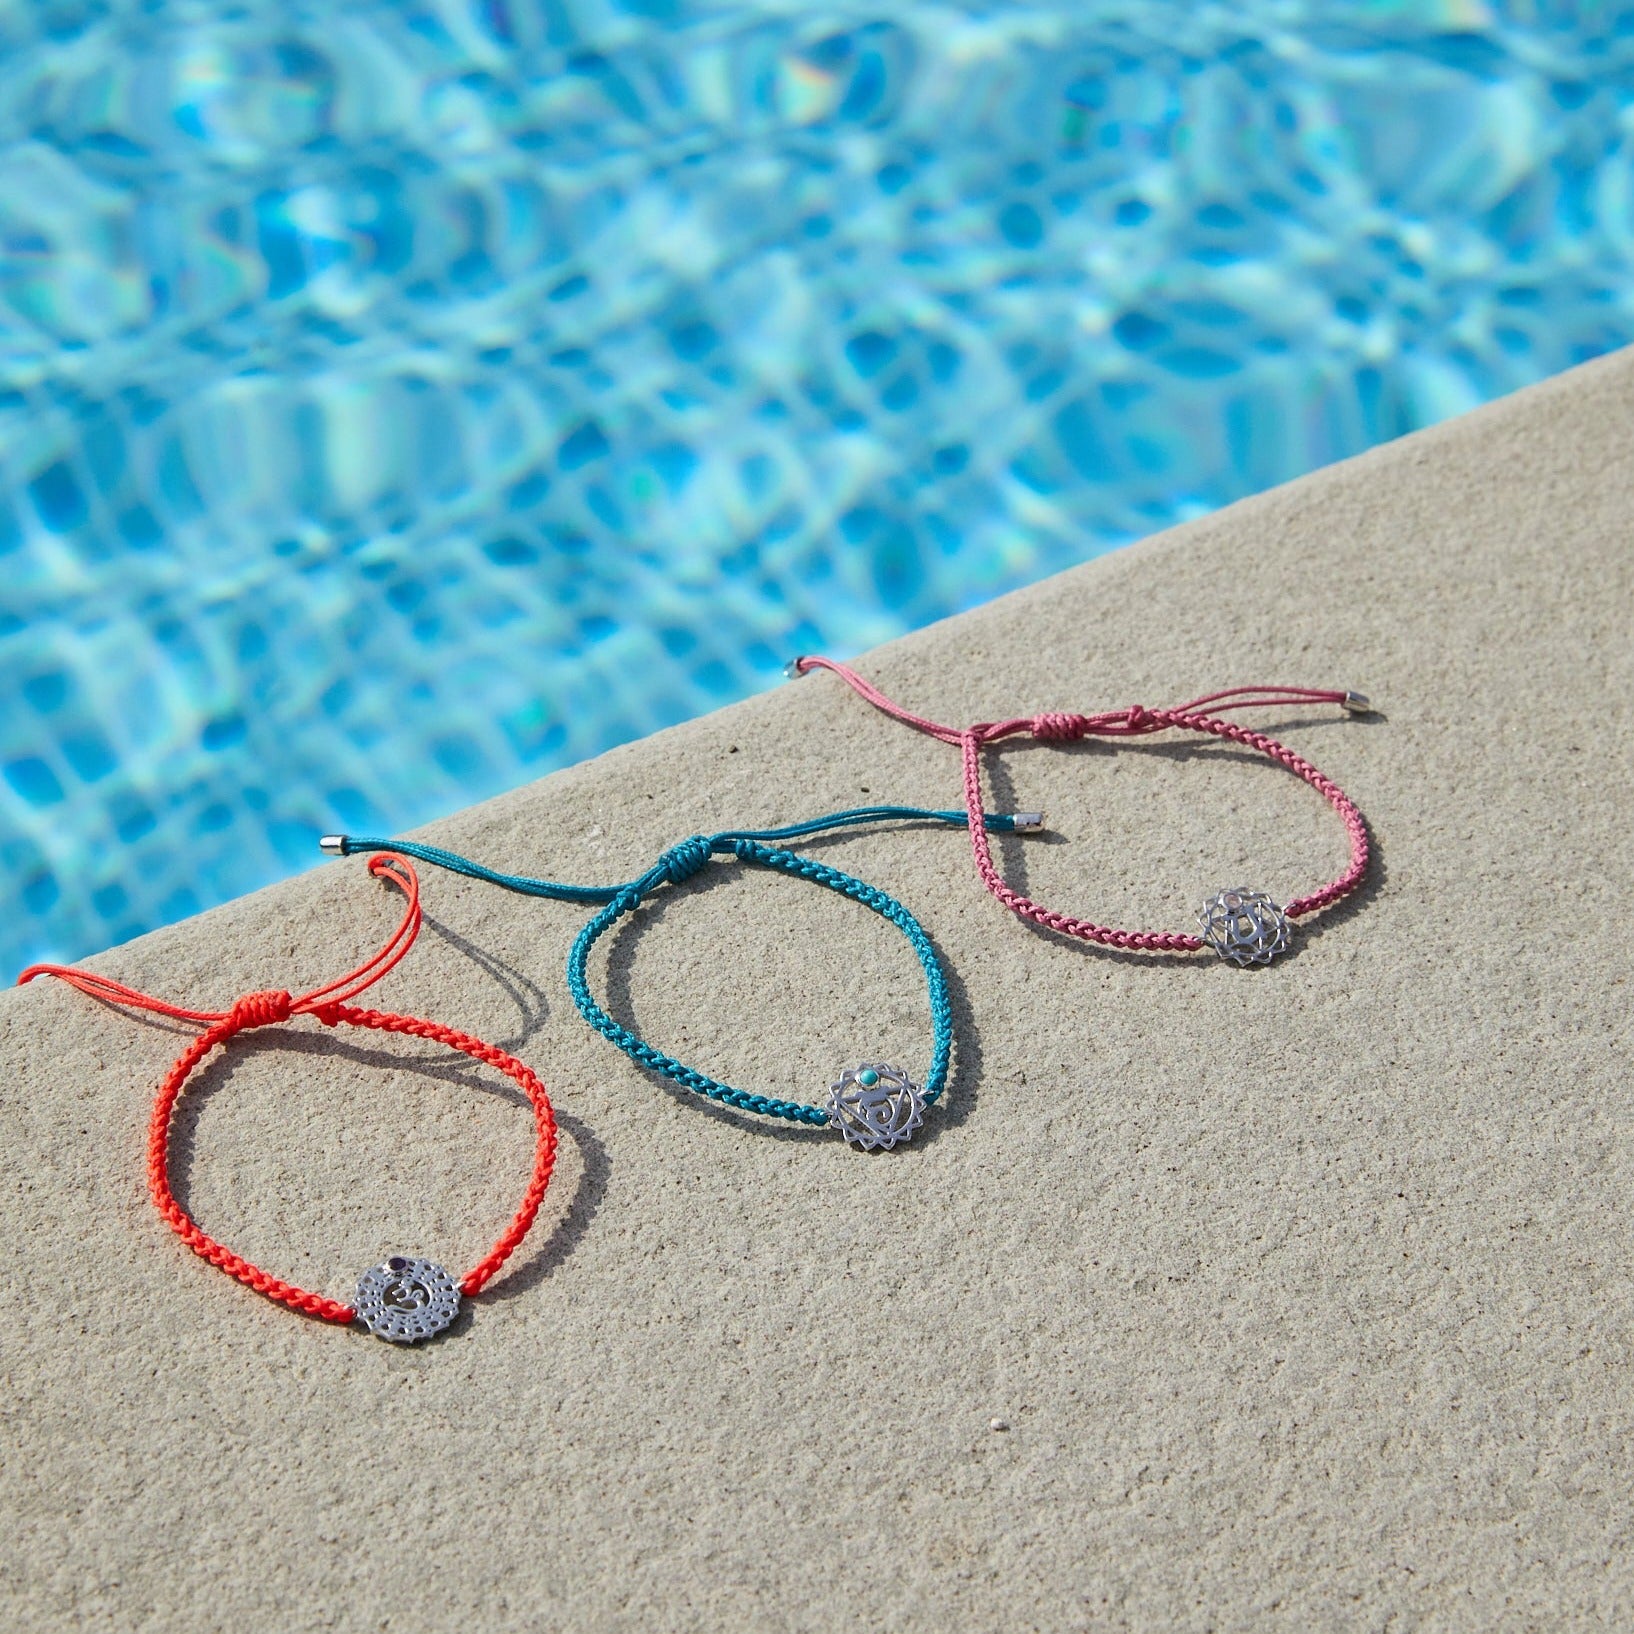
x: 1242, y: 925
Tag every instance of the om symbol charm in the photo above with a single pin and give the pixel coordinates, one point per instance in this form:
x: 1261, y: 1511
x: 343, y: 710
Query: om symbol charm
x: 1245, y: 926
x: 405, y: 1300
x: 875, y: 1106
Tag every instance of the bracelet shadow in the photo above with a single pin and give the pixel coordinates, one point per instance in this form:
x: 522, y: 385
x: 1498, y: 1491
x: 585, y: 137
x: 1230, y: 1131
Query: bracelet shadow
x: 965, y: 1071
x: 525, y: 993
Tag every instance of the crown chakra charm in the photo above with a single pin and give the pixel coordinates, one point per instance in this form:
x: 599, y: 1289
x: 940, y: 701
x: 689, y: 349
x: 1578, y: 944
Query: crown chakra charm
x: 875, y: 1106
x: 1245, y: 926
x: 405, y: 1300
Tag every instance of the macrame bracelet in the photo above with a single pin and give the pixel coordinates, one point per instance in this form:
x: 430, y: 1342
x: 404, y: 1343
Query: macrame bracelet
x: 405, y: 1298
x: 1242, y: 925
x: 873, y: 1105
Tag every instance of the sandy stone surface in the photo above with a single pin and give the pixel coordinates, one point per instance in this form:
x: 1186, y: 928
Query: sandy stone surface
x: 1304, y: 1293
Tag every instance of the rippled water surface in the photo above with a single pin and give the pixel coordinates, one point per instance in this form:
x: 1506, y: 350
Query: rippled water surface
x: 400, y: 400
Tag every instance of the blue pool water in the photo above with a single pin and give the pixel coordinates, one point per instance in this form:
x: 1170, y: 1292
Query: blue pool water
x: 400, y: 400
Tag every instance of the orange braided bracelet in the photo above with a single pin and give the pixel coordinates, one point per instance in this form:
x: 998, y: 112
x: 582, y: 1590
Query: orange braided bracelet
x: 404, y: 1298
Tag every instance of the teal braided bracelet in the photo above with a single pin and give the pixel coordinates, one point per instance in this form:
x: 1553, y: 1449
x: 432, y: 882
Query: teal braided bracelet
x: 899, y: 1103
x: 874, y: 1105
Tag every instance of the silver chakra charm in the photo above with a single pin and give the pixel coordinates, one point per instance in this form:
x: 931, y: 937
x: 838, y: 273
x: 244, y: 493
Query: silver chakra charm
x: 1245, y: 926
x: 405, y: 1300
x: 875, y: 1106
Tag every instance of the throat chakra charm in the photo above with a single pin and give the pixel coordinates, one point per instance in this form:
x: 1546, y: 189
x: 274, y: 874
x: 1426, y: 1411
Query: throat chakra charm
x: 875, y: 1106
x: 405, y: 1300
x: 1245, y: 926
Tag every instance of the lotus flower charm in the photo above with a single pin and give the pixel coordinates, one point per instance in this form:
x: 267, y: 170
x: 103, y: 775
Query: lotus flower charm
x: 875, y: 1106
x: 1245, y: 926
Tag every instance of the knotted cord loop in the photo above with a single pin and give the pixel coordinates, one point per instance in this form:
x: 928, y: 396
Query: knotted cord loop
x: 260, y: 1010
x: 329, y: 1005
x: 682, y: 861
x: 1136, y: 721
x: 1058, y: 728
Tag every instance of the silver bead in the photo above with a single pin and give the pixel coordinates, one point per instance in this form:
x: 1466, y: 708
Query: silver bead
x: 404, y: 1299
x: 1245, y: 926
x: 875, y: 1106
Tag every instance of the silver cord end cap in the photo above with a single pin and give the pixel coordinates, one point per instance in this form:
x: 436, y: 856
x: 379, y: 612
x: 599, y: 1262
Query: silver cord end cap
x: 333, y: 845
x: 792, y: 668
x: 1357, y: 703
x: 1027, y: 822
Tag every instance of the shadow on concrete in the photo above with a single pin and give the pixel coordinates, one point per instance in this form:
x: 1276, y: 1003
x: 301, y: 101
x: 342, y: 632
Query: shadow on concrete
x: 526, y: 1271
x: 525, y: 993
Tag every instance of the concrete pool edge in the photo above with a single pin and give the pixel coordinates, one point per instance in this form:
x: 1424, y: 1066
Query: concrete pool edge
x: 917, y: 648
x: 1296, y: 1289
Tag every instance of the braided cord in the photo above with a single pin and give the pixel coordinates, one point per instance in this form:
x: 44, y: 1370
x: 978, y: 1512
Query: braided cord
x: 680, y: 862
x: 183, y: 1224
x: 693, y: 855
x: 267, y: 1009
x: 1361, y: 849
x: 1145, y: 941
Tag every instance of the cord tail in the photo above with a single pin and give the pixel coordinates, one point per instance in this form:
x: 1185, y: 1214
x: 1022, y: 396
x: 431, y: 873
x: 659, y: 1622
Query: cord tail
x: 866, y: 689
x: 347, y: 845
x: 1020, y: 822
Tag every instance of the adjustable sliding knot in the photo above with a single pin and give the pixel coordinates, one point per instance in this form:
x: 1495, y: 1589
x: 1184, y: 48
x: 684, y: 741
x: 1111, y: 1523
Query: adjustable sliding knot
x: 682, y: 861
x: 1141, y: 719
x: 260, y: 1010
x: 328, y: 1014
x: 1054, y: 727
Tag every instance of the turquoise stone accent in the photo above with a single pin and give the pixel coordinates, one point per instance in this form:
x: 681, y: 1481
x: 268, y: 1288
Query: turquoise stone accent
x: 867, y: 1077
